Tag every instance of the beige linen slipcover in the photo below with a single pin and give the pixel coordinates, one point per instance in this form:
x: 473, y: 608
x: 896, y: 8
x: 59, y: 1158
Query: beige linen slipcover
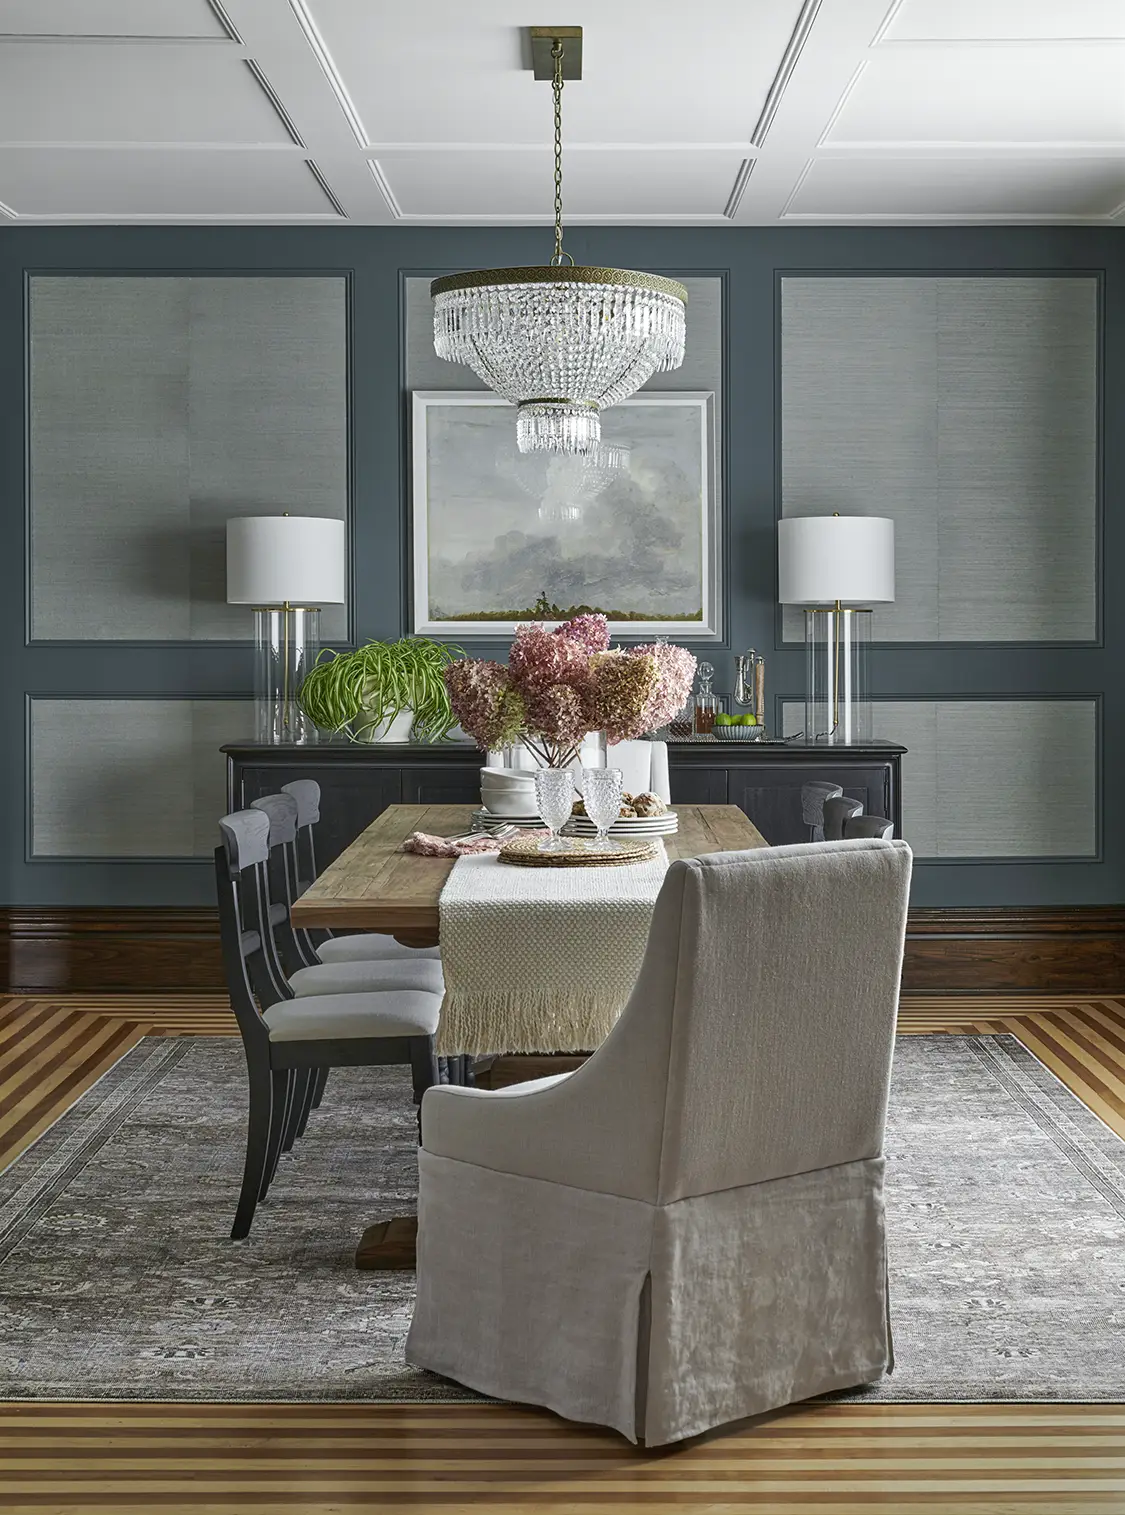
x: 688, y: 1229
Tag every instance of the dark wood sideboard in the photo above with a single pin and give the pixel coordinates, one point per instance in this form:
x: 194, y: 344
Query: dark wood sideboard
x: 358, y: 781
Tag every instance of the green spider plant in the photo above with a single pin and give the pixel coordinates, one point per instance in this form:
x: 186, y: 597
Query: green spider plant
x: 357, y: 692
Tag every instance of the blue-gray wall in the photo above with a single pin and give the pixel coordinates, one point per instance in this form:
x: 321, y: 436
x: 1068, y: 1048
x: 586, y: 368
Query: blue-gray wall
x: 749, y: 261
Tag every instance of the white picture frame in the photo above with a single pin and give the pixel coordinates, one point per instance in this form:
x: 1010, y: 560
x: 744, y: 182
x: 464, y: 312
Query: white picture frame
x: 495, y: 536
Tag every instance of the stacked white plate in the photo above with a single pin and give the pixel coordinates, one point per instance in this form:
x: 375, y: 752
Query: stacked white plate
x: 635, y: 826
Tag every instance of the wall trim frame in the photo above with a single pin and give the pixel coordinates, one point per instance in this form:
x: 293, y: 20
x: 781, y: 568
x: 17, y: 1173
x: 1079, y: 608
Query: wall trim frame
x: 1035, y: 950
x: 347, y: 274
x: 1099, y: 277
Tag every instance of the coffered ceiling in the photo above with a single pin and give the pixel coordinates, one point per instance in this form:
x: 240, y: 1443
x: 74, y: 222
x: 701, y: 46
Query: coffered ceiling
x: 421, y: 112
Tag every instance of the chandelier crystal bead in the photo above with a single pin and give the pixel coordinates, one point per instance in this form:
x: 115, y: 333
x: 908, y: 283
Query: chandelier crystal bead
x: 562, y: 341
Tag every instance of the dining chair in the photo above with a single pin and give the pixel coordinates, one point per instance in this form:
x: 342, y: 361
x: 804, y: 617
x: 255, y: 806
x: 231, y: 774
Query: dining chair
x: 689, y: 1228
x: 355, y: 947
x: 837, y: 810
x: 813, y: 796
x: 342, y: 977
x: 868, y: 826
x: 286, y: 1041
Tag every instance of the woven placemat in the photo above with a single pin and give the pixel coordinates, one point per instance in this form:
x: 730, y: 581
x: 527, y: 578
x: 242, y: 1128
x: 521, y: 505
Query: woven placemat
x: 524, y: 852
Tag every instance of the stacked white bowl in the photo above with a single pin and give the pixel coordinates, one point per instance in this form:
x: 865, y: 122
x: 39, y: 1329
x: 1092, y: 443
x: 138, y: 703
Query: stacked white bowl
x: 508, y: 791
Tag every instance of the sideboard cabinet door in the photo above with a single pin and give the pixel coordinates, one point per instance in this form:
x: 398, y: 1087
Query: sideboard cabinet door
x: 444, y: 784
x: 699, y: 786
x: 771, y: 797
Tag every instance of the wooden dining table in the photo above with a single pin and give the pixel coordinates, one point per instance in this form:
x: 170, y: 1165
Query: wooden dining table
x: 375, y: 886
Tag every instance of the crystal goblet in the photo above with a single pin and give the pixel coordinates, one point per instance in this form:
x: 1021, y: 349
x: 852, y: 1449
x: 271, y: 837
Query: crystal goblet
x: 601, y: 791
x: 554, y: 795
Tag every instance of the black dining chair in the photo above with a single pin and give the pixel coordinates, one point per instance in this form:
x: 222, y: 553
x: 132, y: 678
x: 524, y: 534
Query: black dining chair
x: 355, y: 947
x: 813, y: 796
x: 836, y: 811
x: 876, y: 826
x: 287, y: 1040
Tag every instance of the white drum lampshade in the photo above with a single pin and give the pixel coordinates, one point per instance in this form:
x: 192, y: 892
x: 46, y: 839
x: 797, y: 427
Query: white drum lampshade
x: 285, y: 560
x: 836, y: 567
x: 286, y: 567
x: 822, y: 559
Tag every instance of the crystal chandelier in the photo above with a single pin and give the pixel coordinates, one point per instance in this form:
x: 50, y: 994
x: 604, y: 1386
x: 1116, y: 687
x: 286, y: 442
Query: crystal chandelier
x: 562, y: 341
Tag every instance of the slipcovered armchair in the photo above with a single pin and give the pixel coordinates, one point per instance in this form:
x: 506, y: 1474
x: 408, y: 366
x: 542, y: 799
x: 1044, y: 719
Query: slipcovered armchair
x: 689, y: 1228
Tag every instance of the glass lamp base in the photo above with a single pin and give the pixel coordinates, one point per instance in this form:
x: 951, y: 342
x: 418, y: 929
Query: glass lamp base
x: 286, y: 644
x: 837, y: 701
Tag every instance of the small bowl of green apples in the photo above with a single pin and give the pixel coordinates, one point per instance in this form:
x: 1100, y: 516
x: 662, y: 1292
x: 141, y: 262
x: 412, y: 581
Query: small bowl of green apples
x: 738, y: 728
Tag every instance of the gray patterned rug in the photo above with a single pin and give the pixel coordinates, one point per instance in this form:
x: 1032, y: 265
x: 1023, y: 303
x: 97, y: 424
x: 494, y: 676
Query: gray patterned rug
x: 117, y: 1280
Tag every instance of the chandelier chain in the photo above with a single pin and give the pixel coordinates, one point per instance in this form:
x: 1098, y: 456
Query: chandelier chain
x: 557, y: 89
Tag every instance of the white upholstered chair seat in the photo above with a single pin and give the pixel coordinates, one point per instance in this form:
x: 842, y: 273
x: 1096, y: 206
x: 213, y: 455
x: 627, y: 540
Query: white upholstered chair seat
x: 372, y: 947
x: 328, y: 1017
x: 357, y: 978
x: 688, y: 1229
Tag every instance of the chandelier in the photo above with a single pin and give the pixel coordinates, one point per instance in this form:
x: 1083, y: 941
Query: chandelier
x: 564, y: 341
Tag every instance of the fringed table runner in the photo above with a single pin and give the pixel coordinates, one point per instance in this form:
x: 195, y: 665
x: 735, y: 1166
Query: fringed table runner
x: 540, y: 959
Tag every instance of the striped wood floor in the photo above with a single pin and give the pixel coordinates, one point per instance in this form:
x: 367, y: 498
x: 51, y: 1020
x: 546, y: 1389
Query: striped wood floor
x: 324, y: 1459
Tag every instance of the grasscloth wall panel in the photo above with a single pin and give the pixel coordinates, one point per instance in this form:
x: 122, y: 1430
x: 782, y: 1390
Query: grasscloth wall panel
x: 966, y: 410
x: 129, y: 777
x: 993, y: 778
x: 159, y: 407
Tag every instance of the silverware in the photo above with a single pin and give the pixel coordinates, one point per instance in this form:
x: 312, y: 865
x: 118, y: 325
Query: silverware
x: 498, y: 831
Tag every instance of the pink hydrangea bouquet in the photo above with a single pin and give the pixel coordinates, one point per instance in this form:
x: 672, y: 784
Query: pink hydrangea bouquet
x: 560, y: 685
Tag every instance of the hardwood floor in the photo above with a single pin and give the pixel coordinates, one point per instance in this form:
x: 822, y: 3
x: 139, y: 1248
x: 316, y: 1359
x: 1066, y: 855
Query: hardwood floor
x: 322, y: 1459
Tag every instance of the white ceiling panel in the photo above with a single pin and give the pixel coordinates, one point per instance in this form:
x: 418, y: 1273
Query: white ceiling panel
x: 865, y: 110
x: 110, y: 18
x: 987, y: 95
x: 133, y: 93
x: 963, y: 188
x: 444, y: 71
x: 1004, y: 20
x: 185, y: 183
x: 517, y: 184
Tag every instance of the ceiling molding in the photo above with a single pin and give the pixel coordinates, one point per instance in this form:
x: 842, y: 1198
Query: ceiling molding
x: 885, y: 24
x: 218, y: 10
x: 741, y: 180
x: 330, y: 71
x: 275, y: 100
x: 326, y: 187
x: 546, y: 149
x: 191, y: 218
x: 385, y: 189
x: 946, y: 218
x: 789, y: 60
x: 614, y: 218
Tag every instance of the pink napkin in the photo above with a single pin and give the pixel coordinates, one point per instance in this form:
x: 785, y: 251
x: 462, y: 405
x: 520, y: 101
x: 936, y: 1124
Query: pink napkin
x: 443, y: 846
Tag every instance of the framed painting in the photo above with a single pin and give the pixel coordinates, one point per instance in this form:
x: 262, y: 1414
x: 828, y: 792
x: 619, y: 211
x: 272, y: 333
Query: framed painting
x: 502, y: 537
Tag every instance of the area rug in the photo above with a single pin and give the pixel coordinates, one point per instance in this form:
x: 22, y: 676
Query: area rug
x: 118, y: 1281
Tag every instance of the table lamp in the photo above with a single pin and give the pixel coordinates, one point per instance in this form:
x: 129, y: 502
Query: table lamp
x: 836, y: 567
x: 286, y: 567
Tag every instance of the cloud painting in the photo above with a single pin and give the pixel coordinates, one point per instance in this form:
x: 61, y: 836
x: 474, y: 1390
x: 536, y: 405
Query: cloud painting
x: 507, y: 536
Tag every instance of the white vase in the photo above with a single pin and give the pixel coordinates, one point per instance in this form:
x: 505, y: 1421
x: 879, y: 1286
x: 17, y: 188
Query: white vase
x: 396, y: 729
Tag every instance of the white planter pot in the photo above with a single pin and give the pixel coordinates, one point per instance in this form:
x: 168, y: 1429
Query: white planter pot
x: 397, y: 729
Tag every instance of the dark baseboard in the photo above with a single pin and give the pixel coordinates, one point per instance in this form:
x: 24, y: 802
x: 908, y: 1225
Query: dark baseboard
x: 1078, y: 950
x: 1040, y: 950
x: 102, y: 950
